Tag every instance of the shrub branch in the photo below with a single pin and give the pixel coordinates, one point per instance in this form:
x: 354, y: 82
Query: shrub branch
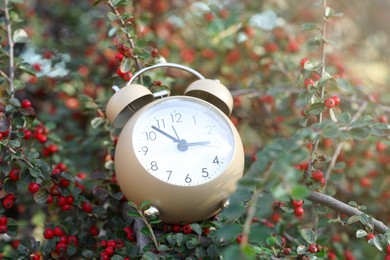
x: 11, y: 73
x: 341, y: 207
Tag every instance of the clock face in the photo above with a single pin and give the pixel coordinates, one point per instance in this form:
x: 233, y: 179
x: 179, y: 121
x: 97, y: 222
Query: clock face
x: 183, y: 141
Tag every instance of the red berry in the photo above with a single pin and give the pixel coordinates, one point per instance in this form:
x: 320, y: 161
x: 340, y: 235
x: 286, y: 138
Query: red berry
x: 109, y: 250
x: 336, y: 100
x: 26, y: 103
x: 69, y: 200
x: 94, y: 230
x: 3, y: 229
x: 187, y: 229
x: 176, y: 228
x: 317, y: 175
x: 3, y: 220
x: 387, y: 257
x: 388, y: 249
x: 61, y: 248
x: 154, y: 53
x: 64, y: 182
x: 8, y: 203
x: 33, y: 187
x: 35, y: 256
x: 49, y: 199
x: 27, y: 134
x: 61, y: 201
x: 127, y: 76
x: 48, y: 233
x: 308, y: 81
x: 111, y: 243
x: 286, y: 251
x: 119, y: 56
x: 380, y: 147
x: 58, y: 231
x: 73, y: 240
x: 313, y: 248
x: 42, y: 138
x: 297, y: 203
x: 299, y: 211
x: 87, y: 207
x: 55, y: 190
x: 119, y: 72
x: 330, y: 103
x: 241, y: 238
x: 303, y: 61
x: 370, y: 236
x: 14, y: 174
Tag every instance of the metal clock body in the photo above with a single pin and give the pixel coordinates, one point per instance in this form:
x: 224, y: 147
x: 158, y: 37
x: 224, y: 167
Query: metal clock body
x: 181, y: 152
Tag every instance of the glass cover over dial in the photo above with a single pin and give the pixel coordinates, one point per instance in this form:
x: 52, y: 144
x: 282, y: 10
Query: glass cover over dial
x: 183, y: 141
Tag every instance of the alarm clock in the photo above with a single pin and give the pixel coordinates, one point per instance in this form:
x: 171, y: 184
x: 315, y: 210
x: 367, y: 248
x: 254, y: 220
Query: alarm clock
x: 182, y: 153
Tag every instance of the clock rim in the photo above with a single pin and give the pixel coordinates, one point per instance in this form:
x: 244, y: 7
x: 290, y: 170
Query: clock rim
x: 139, y: 185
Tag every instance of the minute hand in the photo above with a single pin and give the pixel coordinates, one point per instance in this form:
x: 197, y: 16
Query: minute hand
x: 165, y: 133
x: 198, y: 143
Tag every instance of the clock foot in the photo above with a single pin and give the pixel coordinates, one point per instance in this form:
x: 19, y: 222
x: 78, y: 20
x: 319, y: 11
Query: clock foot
x: 225, y: 203
x: 152, y: 213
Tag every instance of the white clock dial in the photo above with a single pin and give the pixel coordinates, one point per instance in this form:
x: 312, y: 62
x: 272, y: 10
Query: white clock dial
x: 183, y: 141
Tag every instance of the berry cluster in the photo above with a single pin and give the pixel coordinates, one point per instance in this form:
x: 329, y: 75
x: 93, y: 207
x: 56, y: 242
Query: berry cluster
x: 63, y: 240
x: 3, y: 225
x: 109, y: 247
x: 298, y: 209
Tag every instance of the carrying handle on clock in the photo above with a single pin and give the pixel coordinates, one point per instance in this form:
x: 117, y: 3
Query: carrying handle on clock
x: 166, y: 64
x: 208, y: 90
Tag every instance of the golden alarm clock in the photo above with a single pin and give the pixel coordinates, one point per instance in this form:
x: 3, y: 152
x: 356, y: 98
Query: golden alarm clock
x: 182, y: 153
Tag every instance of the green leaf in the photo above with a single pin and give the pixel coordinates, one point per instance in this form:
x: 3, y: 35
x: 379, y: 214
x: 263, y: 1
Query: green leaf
x: 353, y: 204
x: 344, y: 118
x: 300, y: 192
x: 310, y: 26
x: 179, y: 238
x: 361, y: 233
x: 162, y: 248
x: 316, y: 108
x: 332, y: 115
x: 353, y: 219
x: 112, y: 17
x: 15, y: 102
x: 133, y: 214
x: 360, y: 133
x: 343, y: 84
x: 20, y: 36
x: 146, y: 232
x: 35, y: 172
x: 330, y: 13
x: 132, y: 204
x: 145, y: 205
x: 377, y: 243
x: 25, y: 67
x: 301, y: 250
x: 126, y: 64
x: 320, y: 209
x: 196, y: 228
x: 149, y: 256
x: 308, y: 235
x: 41, y: 196
x: 97, y: 121
x: 317, y: 40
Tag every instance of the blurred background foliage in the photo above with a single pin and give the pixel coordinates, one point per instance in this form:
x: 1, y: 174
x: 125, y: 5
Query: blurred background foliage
x: 253, y: 47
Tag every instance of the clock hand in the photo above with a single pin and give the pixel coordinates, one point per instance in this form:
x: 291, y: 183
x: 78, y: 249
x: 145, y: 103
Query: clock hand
x: 198, y: 143
x: 174, y: 130
x: 165, y: 133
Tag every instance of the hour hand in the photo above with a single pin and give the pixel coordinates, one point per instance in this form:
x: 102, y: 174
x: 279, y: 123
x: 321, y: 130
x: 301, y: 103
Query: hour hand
x: 165, y: 133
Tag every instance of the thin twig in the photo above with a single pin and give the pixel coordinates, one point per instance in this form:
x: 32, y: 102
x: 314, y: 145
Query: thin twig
x: 323, y: 60
x: 343, y: 208
x: 11, y: 73
x: 128, y: 35
x: 24, y: 160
